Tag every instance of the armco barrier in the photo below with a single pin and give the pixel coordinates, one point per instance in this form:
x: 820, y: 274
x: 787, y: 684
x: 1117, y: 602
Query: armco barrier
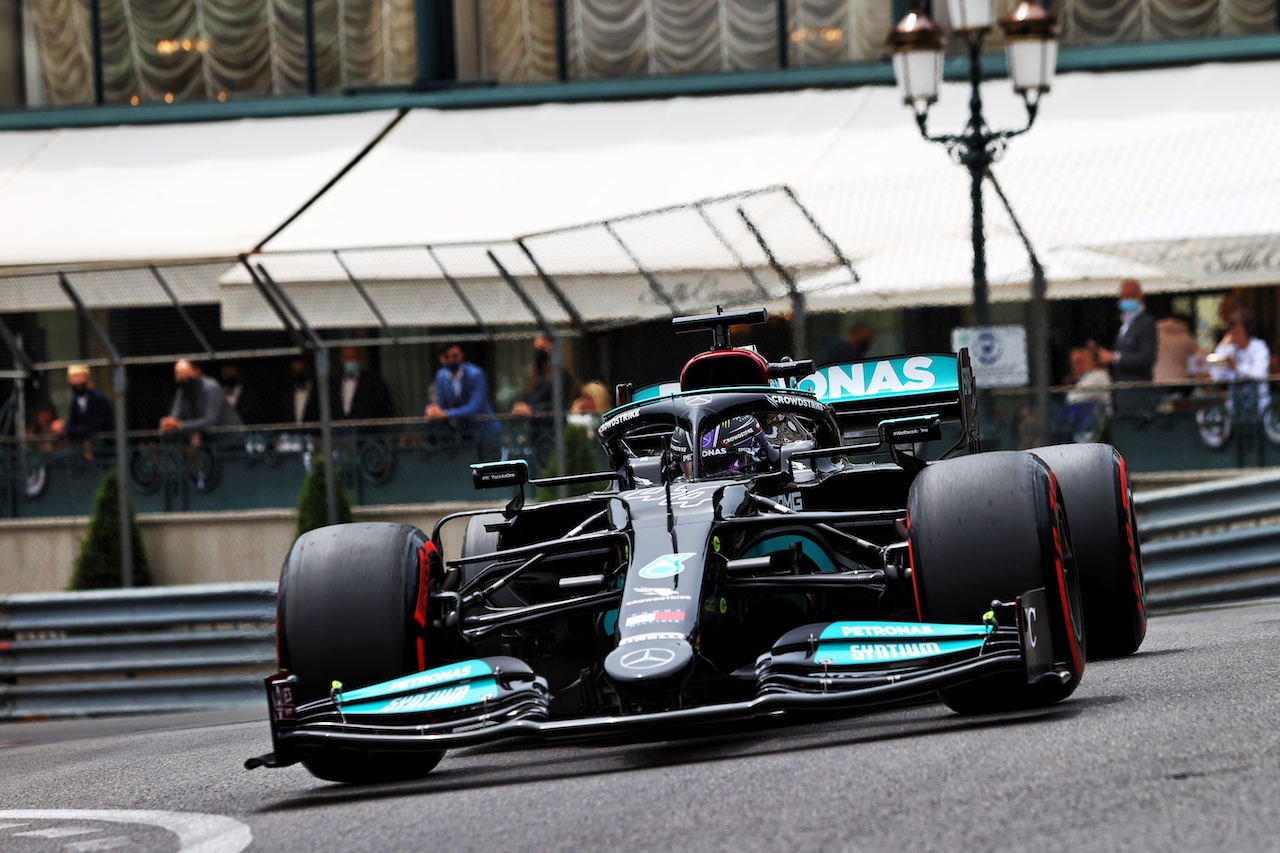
x: 1211, y: 542
x: 132, y: 651
x: 1183, y: 509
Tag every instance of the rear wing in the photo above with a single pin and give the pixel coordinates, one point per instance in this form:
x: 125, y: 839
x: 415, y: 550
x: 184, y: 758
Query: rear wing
x: 864, y: 393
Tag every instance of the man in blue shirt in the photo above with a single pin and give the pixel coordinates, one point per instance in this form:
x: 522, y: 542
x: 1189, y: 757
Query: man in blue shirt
x: 462, y: 397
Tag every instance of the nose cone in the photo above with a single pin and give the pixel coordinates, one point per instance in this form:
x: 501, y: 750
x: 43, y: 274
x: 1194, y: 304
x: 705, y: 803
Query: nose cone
x: 645, y: 661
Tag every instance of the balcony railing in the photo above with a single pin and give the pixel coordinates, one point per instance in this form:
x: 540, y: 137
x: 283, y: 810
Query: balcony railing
x: 399, y: 461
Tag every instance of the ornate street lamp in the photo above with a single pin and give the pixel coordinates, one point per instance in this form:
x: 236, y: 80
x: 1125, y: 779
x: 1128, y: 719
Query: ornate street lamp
x: 1032, y: 50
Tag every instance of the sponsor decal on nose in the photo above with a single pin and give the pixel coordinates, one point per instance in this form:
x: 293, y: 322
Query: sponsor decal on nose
x: 665, y: 566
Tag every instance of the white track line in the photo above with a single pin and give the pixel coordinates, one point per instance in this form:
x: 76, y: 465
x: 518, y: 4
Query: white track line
x: 197, y: 833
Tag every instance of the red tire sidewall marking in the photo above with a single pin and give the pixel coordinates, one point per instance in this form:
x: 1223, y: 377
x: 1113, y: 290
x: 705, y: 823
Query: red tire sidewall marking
x: 1130, y: 533
x: 911, y: 561
x: 1072, y: 643
x: 427, y: 554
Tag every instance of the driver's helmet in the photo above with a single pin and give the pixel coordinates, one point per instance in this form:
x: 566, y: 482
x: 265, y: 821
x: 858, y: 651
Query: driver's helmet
x: 736, y: 447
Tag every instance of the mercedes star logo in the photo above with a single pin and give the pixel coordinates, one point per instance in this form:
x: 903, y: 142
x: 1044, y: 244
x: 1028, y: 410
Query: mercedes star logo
x: 649, y: 658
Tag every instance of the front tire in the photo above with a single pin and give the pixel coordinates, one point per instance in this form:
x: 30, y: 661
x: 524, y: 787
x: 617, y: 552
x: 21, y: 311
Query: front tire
x: 993, y: 526
x: 346, y: 611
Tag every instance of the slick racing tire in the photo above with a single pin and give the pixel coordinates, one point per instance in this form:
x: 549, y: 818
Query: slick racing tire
x: 991, y: 527
x: 1104, y: 534
x: 349, y: 610
x: 479, y: 541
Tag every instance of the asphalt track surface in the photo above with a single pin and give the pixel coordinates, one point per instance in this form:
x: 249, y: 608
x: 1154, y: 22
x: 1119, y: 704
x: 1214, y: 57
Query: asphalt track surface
x: 1176, y: 748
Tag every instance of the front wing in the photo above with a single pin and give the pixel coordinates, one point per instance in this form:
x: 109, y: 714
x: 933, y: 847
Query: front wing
x: 822, y: 667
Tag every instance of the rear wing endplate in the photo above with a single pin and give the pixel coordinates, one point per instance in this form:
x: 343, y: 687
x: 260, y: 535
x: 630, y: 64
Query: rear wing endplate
x: 864, y: 393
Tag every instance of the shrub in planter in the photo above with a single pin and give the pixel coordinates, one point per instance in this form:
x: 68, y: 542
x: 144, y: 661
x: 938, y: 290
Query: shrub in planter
x: 98, y: 564
x: 312, y: 509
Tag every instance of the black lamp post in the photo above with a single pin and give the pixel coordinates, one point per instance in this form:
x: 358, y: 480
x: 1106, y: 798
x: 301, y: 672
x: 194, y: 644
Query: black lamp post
x: 1032, y: 50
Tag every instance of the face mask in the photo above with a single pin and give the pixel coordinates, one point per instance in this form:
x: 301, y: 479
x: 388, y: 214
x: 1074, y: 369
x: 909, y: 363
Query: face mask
x: 351, y: 368
x: 541, y: 358
x: 189, y: 385
x: 1128, y: 306
x: 230, y: 382
x: 79, y: 389
x: 454, y: 366
x: 300, y: 378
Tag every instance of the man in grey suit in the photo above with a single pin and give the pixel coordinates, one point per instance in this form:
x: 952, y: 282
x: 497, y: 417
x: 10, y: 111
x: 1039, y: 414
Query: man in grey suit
x: 1134, y: 353
x: 198, y: 404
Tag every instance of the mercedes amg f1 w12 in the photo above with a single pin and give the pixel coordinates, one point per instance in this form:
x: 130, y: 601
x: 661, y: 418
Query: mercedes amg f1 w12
x: 772, y: 540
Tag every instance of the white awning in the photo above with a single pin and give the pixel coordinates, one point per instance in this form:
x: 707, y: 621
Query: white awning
x: 180, y: 191
x: 494, y: 174
x: 940, y: 273
x: 1114, y: 160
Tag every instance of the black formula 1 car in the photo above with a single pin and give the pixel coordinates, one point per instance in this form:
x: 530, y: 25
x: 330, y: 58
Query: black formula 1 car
x: 771, y: 540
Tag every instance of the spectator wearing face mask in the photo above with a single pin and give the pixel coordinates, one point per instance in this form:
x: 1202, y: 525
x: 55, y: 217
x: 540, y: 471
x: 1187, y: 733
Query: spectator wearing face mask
x: 247, y: 402
x: 462, y: 398
x: 197, y: 405
x: 539, y: 392
x: 301, y: 403
x: 1134, y: 353
x: 539, y: 401
x: 361, y: 394
x: 89, y: 413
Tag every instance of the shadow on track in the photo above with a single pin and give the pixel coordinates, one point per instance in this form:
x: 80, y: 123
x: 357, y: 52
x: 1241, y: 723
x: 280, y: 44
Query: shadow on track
x: 761, y: 738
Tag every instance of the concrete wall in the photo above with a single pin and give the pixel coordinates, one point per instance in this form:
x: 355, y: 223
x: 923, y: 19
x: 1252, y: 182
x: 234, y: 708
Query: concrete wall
x: 37, y: 555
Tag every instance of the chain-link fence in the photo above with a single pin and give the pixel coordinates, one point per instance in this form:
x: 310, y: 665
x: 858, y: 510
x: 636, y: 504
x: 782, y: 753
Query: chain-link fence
x: 347, y: 352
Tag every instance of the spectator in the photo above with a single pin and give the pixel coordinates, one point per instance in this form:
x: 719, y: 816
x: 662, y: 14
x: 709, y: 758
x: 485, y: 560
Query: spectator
x: 538, y: 389
x: 538, y: 401
x: 1246, y: 357
x: 44, y: 417
x: 839, y: 350
x: 247, y: 402
x: 89, y: 413
x: 594, y: 398
x: 1176, y: 346
x: 1230, y: 306
x: 197, y: 405
x: 360, y: 394
x: 462, y: 397
x: 1134, y: 352
x: 1087, y: 404
x: 588, y: 407
x: 301, y: 403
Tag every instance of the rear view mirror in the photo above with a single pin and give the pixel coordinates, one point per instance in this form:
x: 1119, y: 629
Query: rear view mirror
x: 493, y: 475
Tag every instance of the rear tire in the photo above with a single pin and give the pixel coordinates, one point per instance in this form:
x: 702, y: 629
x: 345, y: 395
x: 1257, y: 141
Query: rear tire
x: 345, y: 612
x: 479, y: 541
x: 1099, y: 502
x: 993, y: 526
